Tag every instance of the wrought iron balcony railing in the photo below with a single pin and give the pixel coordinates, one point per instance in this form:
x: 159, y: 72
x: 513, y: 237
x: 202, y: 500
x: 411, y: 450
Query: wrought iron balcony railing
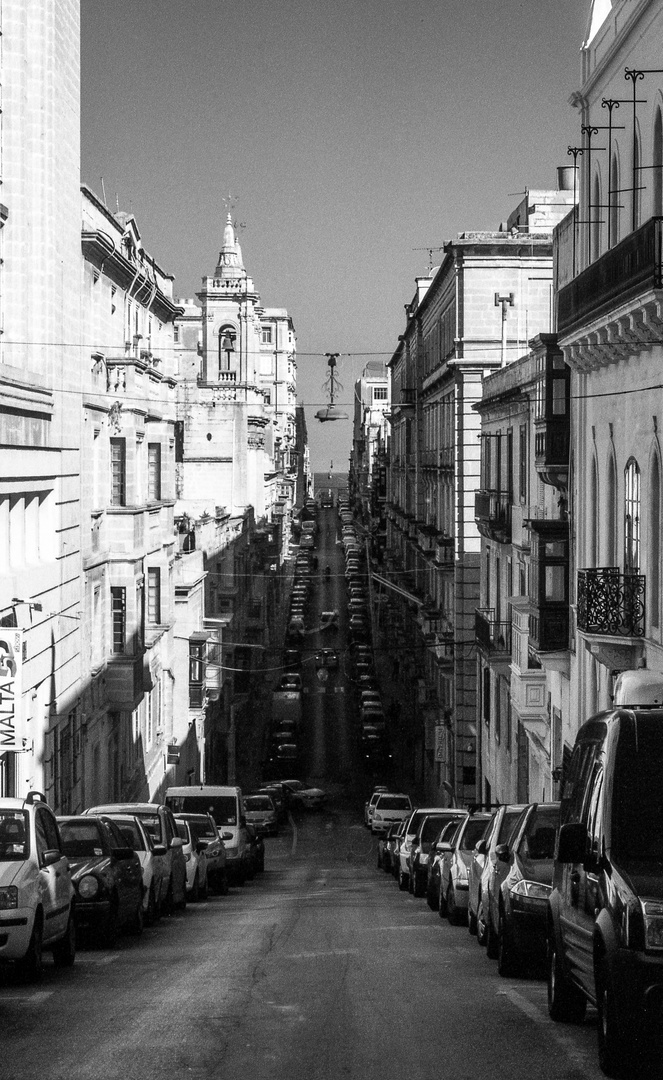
x: 611, y: 603
x: 631, y: 267
x: 492, y: 635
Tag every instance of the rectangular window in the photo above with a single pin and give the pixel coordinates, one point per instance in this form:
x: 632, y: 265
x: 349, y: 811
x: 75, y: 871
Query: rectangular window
x: 266, y: 335
x: 154, y: 596
x: 154, y: 472
x: 522, y: 464
x: 119, y: 619
x: 196, y: 674
x: 379, y: 393
x: 118, y: 472
x: 176, y: 334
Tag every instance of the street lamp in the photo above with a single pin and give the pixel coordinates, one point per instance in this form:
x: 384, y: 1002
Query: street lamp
x: 332, y: 384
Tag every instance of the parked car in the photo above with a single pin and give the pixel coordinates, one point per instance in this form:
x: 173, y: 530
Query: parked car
x: 327, y: 658
x: 137, y: 837
x: 412, y: 827
x: 261, y: 813
x: 159, y: 821
x: 382, y: 845
x: 278, y: 795
x: 448, y: 880
x: 106, y: 874
x: 432, y: 827
x: 522, y: 914
x: 195, y: 857
x: 369, y: 807
x: 291, y: 680
x: 605, y: 932
x: 304, y: 795
x: 493, y: 874
x: 224, y: 803
x: 205, y: 831
x: 256, y: 851
x: 389, y: 808
x: 37, y: 898
x: 390, y: 841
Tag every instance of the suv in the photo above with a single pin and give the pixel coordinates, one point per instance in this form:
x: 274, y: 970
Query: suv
x: 605, y: 914
x: 36, y: 893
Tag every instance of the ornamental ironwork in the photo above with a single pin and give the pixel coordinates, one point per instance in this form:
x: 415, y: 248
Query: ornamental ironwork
x: 611, y: 603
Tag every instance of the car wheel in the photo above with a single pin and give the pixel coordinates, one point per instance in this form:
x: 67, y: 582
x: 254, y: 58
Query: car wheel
x: 491, y: 938
x: 455, y: 915
x: 402, y: 880
x: 441, y: 901
x: 481, y: 922
x: 204, y: 890
x: 507, y: 957
x: 565, y: 1001
x: 615, y: 1047
x: 151, y: 910
x: 31, y: 965
x: 138, y: 922
x: 64, y: 952
x: 110, y: 930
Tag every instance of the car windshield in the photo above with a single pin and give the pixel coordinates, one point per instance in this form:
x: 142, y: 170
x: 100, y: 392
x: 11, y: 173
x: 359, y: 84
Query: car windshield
x: 538, y: 841
x: 131, y: 832
x: 81, y: 839
x: 637, y: 815
x: 257, y: 802
x: 394, y: 802
x: 14, y: 833
x: 430, y: 829
x: 474, y: 830
x: 223, y: 808
x: 182, y: 831
x: 506, y: 828
x: 152, y: 826
x: 202, y: 830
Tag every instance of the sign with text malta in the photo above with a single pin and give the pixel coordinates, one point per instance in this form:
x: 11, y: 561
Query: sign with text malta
x: 11, y: 729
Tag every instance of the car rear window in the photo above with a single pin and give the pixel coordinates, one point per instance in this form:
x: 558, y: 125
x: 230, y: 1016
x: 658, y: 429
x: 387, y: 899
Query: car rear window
x: 431, y: 828
x: 394, y: 802
x: 14, y: 835
x: 223, y: 808
x: 81, y: 839
x: 539, y: 838
x: 131, y: 833
x: 506, y: 828
x: 474, y: 830
x: 258, y: 802
x: 637, y: 801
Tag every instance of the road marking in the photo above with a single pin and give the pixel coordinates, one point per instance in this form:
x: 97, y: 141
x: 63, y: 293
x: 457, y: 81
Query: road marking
x: 413, y: 926
x: 317, y: 955
x: 575, y: 1055
x: 36, y: 998
x: 105, y: 959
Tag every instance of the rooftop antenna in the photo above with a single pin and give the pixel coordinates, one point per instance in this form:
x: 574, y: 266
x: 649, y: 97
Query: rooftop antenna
x: 430, y: 251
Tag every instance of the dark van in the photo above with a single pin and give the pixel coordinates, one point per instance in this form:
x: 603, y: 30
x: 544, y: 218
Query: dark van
x: 605, y: 926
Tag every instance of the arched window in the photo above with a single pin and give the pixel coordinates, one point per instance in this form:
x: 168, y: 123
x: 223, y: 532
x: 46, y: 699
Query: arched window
x: 227, y: 336
x: 592, y: 545
x: 611, y: 515
x: 632, y: 517
x: 637, y: 176
x: 657, y: 171
x: 614, y: 201
x: 654, y: 544
x: 596, y: 215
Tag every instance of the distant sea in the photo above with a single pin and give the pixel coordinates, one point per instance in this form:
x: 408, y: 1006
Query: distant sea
x: 322, y: 481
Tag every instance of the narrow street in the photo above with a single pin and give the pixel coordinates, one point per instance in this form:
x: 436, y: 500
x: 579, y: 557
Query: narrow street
x: 319, y: 968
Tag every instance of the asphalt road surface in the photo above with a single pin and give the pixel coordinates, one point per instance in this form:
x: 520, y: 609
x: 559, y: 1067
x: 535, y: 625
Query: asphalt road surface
x: 319, y: 969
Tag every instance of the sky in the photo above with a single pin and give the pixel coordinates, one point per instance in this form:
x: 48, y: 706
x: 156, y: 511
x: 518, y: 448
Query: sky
x: 354, y: 135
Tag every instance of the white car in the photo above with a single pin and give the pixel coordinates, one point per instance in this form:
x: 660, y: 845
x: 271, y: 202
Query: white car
x: 196, y: 861
x: 152, y: 865
x: 388, y: 809
x: 36, y: 893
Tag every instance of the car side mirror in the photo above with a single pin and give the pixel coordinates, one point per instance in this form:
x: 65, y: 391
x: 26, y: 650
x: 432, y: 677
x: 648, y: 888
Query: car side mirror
x: 502, y: 852
x: 480, y: 849
x: 443, y: 846
x: 201, y: 846
x: 159, y: 849
x: 50, y: 856
x: 177, y: 842
x: 572, y: 843
x: 227, y: 836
